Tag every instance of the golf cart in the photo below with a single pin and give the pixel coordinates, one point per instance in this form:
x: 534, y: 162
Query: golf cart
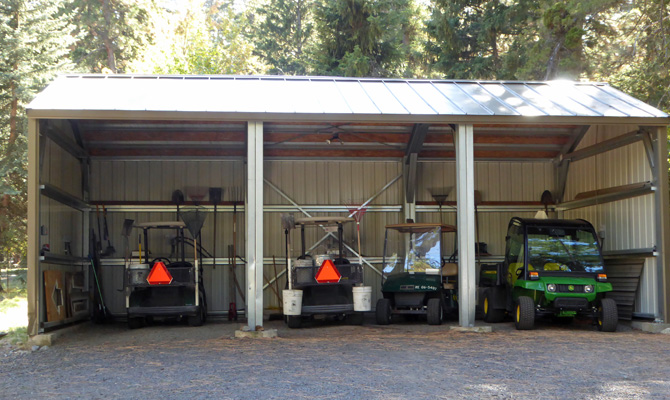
x: 158, y: 287
x: 552, y: 268
x: 420, y: 280
x: 326, y: 279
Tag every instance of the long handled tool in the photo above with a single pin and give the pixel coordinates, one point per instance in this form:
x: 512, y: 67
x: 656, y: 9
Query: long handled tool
x: 100, y: 312
x: 288, y: 223
x: 215, y: 195
x: 178, y: 200
x: 110, y: 250
x: 98, y: 245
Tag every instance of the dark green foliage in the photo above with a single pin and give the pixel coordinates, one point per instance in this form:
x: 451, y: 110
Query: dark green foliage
x: 282, y: 33
x: 34, y: 44
x: 367, y: 38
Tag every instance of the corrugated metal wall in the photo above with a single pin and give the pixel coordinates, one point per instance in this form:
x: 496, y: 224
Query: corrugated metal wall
x: 308, y: 183
x: 60, y: 223
x: 627, y: 224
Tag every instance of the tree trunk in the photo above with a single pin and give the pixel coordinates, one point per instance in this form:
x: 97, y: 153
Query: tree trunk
x: 109, y: 46
x: 553, y: 62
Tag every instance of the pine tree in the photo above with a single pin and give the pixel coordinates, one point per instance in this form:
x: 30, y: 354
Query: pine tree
x: 282, y: 31
x: 34, y: 41
x: 111, y: 33
x: 367, y: 38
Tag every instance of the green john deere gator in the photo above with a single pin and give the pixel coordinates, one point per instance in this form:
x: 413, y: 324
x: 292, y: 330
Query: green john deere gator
x: 552, y: 268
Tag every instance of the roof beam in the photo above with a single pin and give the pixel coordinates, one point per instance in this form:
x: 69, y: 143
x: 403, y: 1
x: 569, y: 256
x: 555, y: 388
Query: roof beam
x: 605, y: 146
x: 58, y: 131
x: 417, y: 138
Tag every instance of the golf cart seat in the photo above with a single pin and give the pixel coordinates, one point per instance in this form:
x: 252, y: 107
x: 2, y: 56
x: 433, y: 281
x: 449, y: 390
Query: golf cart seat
x: 449, y: 270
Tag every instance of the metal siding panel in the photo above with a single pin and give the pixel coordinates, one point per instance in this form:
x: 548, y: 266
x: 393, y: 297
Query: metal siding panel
x: 458, y: 97
x: 509, y: 98
x: 534, y: 98
x: 486, y: 99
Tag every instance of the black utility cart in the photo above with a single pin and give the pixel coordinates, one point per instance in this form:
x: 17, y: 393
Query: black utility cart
x: 179, y: 295
x: 324, y: 298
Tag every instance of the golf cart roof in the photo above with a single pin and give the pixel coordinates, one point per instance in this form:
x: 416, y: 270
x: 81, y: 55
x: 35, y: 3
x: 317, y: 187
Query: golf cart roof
x: 323, y: 220
x: 160, y: 224
x: 414, y: 227
x: 557, y: 223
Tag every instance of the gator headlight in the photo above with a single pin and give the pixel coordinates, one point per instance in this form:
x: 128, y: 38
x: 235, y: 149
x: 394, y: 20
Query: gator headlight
x: 551, y: 287
x: 588, y: 289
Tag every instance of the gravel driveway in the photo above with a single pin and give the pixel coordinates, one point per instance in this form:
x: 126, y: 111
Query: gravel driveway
x: 329, y: 360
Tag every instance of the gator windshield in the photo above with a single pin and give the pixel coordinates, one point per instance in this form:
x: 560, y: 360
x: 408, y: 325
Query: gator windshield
x: 423, y: 251
x: 563, y: 249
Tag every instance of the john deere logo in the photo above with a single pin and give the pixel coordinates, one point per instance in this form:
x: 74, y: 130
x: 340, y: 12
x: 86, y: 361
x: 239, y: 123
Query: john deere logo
x: 571, y: 288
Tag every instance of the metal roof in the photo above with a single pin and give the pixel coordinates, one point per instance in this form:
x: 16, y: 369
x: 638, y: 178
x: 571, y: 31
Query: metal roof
x: 317, y: 98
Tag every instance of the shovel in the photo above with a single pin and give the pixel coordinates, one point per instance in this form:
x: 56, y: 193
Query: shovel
x: 110, y: 250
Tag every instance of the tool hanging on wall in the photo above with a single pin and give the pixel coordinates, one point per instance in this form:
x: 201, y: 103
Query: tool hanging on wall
x: 100, y: 312
x: 110, y: 250
x: 237, y: 197
x: 178, y: 200
x: 478, y: 201
x: 98, y: 245
x: 440, y: 196
x: 215, y: 195
x: 125, y: 233
x: 288, y: 223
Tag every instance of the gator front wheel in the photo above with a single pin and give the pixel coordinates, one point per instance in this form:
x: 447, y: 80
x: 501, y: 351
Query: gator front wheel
x: 524, y: 313
x: 608, y: 316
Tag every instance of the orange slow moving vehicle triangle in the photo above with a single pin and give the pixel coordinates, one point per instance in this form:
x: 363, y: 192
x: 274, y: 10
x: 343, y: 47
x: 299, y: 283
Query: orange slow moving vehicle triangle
x: 328, y: 273
x: 159, y: 275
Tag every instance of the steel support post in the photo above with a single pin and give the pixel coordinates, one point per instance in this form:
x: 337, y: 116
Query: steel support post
x: 34, y: 275
x: 662, y: 218
x: 465, y: 186
x: 254, y: 220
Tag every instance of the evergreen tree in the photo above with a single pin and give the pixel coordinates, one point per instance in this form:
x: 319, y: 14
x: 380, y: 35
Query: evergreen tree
x: 469, y: 39
x: 111, y: 33
x: 282, y: 31
x: 210, y: 38
x: 34, y: 43
x: 368, y: 38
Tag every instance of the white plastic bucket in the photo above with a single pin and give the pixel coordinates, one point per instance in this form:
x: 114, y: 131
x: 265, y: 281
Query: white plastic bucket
x: 292, y: 302
x: 362, y: 298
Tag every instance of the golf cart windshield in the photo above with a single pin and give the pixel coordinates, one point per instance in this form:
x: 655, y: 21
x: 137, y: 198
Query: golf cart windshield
x: 417, y: 253
x: 563, y: 249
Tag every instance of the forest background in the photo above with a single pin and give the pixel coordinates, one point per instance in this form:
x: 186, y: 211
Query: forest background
x: 624, y: 43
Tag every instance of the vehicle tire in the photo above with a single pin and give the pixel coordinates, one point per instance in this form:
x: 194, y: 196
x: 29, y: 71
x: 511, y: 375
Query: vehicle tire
x: 608, y: 316
x: 135, y: 322
x: 524, y: 313
x: 434, y: 314
x: 383, y: 312
x: 293, y: 321
x: 492, y: 314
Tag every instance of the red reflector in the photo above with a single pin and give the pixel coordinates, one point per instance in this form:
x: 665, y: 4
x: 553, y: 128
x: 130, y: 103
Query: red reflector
x: 534, y: 275
x: 159, y: 275
x: 328, y: 273
x: 602, y: 277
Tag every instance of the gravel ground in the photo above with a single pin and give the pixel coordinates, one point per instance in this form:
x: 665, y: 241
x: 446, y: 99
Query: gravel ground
x: 334, y: 361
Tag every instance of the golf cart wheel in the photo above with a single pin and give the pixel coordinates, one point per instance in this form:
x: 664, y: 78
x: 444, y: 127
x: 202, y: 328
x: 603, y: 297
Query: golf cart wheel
x: 524, y: 313
x: 608, y: 316
x: 198, y: 319
x: 492, y: 314
x: 293, y: 321
x: 434, y: 314
x: 383, y: 312
x: 135, y: 322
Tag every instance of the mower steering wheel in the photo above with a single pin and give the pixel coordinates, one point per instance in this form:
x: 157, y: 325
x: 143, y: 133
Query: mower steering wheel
x: 161, y: 258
